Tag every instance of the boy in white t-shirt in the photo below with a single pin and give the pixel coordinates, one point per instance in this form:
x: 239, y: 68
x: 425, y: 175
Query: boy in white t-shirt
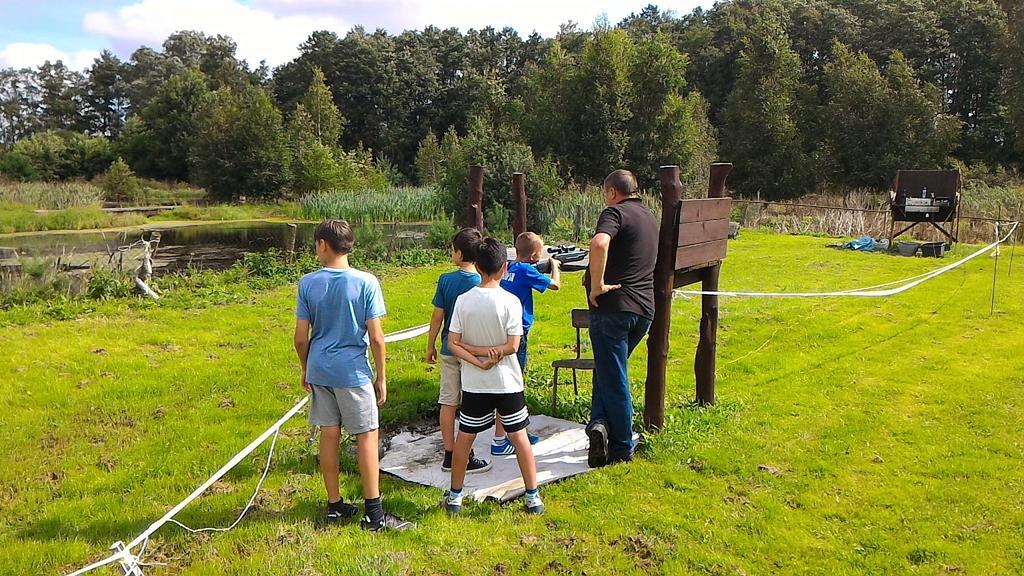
x: 486, y: 326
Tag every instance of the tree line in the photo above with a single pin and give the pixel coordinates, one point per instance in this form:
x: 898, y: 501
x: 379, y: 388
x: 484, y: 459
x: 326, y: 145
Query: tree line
x: 802, y: 95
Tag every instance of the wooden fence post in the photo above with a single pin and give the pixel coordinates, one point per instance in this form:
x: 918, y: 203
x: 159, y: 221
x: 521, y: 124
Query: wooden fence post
x: 664, y: 278
x: 475, y: 201
x: 519, y: 196
x: 704, y: 359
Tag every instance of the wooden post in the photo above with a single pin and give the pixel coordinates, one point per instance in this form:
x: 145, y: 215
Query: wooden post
x: 704, y: 359
x: 519, y: 196
x: 475, y: 203
x: 664, y: 278
x: 293, y: 231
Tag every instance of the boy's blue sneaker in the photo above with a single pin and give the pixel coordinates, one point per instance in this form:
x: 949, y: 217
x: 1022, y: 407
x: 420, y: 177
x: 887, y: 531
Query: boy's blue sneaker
x: 533, y: 438
x: 502, y: 448
x: 534, y: 505
x: 452, y: 503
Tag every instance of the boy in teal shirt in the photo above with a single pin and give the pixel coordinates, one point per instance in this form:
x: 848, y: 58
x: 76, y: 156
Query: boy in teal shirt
x: 450, y: 286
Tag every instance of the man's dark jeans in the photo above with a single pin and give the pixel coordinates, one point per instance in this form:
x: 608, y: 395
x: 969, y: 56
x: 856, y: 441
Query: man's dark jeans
x: 613, y: 337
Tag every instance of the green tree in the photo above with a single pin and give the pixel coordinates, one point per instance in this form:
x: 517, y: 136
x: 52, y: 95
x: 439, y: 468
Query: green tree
x: 924, y: 137
x: 1013, y: 56
x: 120, y: 184
x: 876, y: 125
x: 324, y: 119
x: 762, y: 134
x: 972, y: 76
x: 107, y: 94
x: 429, y: 160
x: 316, y: 170
x: 159, y: 142
x: 61, y: 155
x: 240, y: 146
x: 61, y: 98
x: 502, y: 153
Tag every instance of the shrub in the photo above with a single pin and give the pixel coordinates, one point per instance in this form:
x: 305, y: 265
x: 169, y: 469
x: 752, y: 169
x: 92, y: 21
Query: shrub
x: 501, y: 154
x: 120, y: 183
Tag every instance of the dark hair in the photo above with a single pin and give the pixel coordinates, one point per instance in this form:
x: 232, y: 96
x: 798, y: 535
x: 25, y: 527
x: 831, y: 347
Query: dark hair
x: 622, y: 181
x: 466, y: 241
x: 337, y: 234
x: 491, y: 255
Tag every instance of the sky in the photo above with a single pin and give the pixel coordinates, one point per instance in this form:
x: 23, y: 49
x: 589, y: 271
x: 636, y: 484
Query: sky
x: 33, y: 31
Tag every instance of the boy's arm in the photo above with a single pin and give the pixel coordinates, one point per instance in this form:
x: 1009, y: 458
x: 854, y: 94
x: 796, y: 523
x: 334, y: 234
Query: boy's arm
x: 436, y: 320
x: 474, y: 350
x: 301, y: 340
x: 556, y: 275
x: 379, y: 350
x: 457, y: 347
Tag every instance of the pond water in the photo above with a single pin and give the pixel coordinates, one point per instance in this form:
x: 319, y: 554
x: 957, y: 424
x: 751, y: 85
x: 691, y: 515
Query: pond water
x: 215, y: 245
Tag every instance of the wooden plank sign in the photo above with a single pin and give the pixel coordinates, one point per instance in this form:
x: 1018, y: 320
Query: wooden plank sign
x: 702, y: 234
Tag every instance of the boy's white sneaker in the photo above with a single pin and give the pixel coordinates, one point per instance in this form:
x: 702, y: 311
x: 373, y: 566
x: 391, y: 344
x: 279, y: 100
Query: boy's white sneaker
x: 452, y: 503
x: 534, y: 505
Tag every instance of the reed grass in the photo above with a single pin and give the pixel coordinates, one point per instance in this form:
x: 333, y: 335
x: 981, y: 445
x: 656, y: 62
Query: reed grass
x: 51, y: 195
x: 397, y: 204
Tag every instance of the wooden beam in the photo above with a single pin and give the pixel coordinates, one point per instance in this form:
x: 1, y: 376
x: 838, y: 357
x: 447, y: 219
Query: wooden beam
x: 475, y: 200
x: 707, y: 346
x: 691, y: 233
x: 664, y: 277
x: 519, y: 197
x: 691, y: 275
x: 705, y: 209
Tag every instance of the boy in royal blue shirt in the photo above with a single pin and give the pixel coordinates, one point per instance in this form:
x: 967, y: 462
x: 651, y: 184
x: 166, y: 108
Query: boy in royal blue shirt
x: 521, y: 279
x: 337, y: 317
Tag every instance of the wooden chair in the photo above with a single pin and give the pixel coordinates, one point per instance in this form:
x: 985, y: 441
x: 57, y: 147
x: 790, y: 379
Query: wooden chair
x: 580, y: 321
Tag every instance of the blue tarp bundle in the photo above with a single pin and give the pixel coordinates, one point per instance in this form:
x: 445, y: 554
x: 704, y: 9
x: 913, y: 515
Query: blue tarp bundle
x: 864, y: 244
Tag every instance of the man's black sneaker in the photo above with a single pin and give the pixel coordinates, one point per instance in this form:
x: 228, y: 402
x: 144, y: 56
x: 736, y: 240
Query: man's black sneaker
x: 619, y: 458
x: 340, y: 510
x: 597, y: 455
x: 474, y: 466
x: 387, y: 522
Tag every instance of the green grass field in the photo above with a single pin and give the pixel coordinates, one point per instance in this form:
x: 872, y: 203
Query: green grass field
x: 851, y: 436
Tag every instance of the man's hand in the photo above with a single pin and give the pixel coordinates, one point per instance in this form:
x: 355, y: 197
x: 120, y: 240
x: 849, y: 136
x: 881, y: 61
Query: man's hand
x: 600, y: 290
x: 431, y: 356
x: 380, y: 386
x: 305, y: 385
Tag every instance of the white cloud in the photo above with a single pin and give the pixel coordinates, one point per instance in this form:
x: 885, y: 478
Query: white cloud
x: 260, y: 34
x: 544, y: 16
x: 30, y: 55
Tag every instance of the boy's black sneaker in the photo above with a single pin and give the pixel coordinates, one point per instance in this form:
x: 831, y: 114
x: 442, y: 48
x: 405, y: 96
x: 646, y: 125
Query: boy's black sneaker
x: 340, y: 510
x: 474, y: 466
x: 597, y: 455
x: 387, y: 522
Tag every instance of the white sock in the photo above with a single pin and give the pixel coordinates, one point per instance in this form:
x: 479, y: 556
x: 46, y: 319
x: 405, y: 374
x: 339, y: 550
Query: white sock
x: 499, y: 440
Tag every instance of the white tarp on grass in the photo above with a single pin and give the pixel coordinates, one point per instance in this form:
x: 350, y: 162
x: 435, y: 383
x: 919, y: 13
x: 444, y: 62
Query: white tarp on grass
x: 561, y: 453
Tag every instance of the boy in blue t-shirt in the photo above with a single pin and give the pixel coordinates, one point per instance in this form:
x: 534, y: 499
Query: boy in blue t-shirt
x: 522, y: 278
x: 450, y: 286
x: 337, y: 317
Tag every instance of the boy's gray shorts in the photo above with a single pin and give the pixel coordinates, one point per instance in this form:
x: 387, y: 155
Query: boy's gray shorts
x: 353, y: 408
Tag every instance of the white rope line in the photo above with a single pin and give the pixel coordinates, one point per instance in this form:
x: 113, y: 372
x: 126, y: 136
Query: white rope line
x: 248, y: 505
x: 869, y: 292
x: 130, y: 561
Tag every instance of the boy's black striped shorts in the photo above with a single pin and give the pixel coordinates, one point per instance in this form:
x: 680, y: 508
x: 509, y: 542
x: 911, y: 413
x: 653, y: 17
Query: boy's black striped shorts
x: 477, y: 411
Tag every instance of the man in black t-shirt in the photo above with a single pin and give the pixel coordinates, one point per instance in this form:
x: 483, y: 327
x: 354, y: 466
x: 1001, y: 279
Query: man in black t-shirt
x: 620, y: 288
